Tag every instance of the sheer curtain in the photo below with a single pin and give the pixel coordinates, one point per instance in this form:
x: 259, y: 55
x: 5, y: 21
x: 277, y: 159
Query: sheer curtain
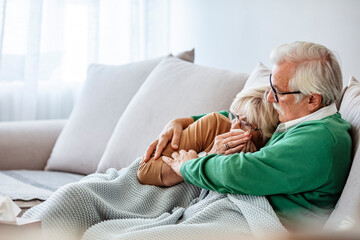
x: 46, y: 46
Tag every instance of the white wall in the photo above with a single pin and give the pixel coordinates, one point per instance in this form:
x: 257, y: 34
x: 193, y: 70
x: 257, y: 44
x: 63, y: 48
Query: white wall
x: 236, y: 34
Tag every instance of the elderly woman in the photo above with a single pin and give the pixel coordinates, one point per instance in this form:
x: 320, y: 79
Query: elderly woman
x: 246, y: 128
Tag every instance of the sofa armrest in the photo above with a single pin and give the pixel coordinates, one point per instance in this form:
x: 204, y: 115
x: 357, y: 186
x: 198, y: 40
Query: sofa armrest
x: 28, y: 144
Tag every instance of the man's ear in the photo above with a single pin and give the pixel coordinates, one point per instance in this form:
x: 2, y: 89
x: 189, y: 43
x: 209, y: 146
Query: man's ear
x: 314, y: 102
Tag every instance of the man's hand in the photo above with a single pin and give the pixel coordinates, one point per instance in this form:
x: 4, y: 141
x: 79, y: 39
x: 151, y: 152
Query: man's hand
x: 230, y: 142
x: 178, y: 159
x: 172, y: 132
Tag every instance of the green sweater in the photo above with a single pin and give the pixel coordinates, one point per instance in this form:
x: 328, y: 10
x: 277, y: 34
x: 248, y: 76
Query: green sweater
x: 301, y: 171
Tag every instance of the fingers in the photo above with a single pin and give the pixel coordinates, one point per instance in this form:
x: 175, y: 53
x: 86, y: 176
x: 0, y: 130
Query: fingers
x: 173, y: 164
x: 245, y: 149
x: 252, y: 147
x: 184, y: 155
x: 233, y: 143
x: 236, y: 149
x: 149, y: 152
x: 192, y: 152
x: 160, y: 146
x: 175, y: 155
x: 176, y: 139
x: 239, y: 136
x: 233, y: 140
x: 232, y: 134
x: 167, y: 160
x: 182, y: 152
x: 249, y: 147
x: 236, y: 142
x: 172, y: 132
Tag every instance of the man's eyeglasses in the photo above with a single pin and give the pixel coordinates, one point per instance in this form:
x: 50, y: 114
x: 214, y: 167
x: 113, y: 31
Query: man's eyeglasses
x: 276, y: 93
x: 243, y: 124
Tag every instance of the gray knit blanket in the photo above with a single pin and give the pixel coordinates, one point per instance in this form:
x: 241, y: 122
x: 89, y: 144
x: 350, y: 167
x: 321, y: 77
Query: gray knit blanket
x: 115, y: 205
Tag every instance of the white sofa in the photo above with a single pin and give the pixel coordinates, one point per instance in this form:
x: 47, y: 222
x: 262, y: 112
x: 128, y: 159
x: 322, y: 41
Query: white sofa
x: 121, y: 110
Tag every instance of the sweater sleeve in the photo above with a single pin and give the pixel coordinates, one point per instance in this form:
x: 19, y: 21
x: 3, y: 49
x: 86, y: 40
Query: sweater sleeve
x: 283, y: 166
x: 197, y: 117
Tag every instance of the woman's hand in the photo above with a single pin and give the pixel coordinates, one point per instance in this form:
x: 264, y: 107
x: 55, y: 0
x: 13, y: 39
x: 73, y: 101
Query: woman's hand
x: 230, y: 142
x: 249, y: 147
x: 171, y: 132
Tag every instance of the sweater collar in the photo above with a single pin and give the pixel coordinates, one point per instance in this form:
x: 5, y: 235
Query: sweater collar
x: 319, y: 114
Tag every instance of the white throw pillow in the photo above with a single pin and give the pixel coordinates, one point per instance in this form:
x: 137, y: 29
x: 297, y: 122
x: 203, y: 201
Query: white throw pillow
x: 105, y: 95
x: 174, y: 89
x: 346, y: 215
x: 259, y: 76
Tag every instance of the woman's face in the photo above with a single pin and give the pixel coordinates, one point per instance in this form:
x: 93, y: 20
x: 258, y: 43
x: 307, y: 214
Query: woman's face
x: 241, y: 124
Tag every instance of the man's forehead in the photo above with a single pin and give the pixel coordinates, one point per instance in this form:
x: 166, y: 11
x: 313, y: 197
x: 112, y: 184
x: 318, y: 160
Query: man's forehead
x: 281, y: 74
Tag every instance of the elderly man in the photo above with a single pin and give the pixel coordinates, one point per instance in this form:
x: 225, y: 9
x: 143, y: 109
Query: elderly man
x: 303, y: 168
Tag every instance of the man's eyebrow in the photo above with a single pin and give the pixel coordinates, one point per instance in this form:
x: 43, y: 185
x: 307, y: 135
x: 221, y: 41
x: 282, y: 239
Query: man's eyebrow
x: 276, y: 87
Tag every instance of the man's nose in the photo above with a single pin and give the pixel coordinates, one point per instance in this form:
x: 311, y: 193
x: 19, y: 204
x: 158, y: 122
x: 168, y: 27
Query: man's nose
x: 270, y: 97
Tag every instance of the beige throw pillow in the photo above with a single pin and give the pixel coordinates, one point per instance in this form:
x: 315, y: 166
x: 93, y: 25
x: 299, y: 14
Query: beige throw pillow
x: 174, y: 89
x: 259, y: 76
x: 105, y: 95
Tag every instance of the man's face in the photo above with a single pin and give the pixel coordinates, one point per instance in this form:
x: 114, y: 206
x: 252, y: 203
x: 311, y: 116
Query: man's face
x: 286, y: 107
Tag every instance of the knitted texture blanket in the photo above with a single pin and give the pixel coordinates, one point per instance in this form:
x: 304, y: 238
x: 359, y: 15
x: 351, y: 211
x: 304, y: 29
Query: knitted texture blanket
x: 114, y: 205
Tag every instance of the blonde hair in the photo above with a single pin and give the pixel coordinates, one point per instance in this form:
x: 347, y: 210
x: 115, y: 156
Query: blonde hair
x: 315, y: 70
x: 252, y: 104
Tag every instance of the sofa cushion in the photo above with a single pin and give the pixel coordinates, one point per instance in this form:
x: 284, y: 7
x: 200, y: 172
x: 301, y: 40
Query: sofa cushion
x: 174, y: 89
x: 259, y: 76
x: 29, y: 185
x: 105, y: 95
x: 348, y: 207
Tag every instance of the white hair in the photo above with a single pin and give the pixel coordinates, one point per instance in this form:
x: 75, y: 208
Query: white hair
x: 252, y: 104
x: 315, y: 70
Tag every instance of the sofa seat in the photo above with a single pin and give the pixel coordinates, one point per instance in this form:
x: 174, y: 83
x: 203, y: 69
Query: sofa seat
x: 30, y: 187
